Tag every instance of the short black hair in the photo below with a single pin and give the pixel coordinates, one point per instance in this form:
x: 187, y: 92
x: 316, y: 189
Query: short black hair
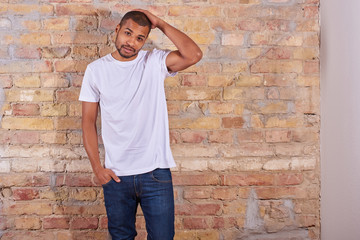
x: 138, y: 17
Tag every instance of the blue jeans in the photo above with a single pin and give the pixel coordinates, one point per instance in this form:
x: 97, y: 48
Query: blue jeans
x: 154, y: 192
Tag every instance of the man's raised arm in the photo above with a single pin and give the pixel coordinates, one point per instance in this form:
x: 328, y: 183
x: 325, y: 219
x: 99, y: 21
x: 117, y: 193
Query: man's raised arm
x: 188, y: 52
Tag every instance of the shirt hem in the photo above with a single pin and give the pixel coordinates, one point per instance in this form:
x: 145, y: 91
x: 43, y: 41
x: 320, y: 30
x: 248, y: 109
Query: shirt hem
x: 141, y: 171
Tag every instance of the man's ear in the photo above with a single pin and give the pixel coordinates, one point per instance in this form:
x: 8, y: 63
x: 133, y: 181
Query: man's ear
x: 117, y: 28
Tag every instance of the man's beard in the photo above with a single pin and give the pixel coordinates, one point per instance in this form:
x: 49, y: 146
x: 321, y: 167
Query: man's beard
x: 126, y: 56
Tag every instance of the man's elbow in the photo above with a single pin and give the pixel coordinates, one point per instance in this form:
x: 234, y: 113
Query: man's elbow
x: 197, y: 57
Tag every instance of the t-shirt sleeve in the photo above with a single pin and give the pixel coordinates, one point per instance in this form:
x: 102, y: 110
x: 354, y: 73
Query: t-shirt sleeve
x: 89, y: 91
x: 161, y: 55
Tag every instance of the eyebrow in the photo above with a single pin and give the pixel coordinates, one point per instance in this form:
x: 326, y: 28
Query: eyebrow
x: 140, y: 35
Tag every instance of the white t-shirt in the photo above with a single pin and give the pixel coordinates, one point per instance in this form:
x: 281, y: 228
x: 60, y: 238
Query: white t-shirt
x: 134, y: 118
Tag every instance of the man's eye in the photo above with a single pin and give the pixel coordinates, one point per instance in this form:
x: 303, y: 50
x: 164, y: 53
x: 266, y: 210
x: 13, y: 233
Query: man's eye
x: 128, y: 33
x: 140, y: 39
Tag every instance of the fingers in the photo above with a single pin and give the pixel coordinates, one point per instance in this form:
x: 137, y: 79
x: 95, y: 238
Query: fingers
x: 113, y: 176
x: 152, y: 17
x: 105, y: 175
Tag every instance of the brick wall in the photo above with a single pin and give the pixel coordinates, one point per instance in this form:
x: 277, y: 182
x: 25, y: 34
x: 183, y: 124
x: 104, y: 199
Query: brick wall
x: 244, y: 122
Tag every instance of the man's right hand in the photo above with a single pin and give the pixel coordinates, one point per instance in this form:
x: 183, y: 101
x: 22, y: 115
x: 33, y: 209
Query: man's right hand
x: 104, y: 175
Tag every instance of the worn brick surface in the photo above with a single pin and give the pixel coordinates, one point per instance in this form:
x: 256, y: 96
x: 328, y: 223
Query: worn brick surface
x: 244, y: 121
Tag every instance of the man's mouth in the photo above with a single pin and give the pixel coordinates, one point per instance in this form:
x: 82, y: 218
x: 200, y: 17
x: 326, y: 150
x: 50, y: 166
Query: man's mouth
x: 128, y: 49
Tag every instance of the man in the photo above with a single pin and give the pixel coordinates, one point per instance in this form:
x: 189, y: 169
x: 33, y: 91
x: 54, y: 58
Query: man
x: 128, y: 85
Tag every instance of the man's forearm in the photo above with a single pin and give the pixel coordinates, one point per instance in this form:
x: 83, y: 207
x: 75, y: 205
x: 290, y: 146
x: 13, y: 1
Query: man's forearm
x: 186, y: 46
x: 90, y: 139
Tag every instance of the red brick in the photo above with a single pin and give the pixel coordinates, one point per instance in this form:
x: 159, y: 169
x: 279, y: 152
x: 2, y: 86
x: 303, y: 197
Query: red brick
x: 109, y: 24
x: 103, y: 224
x: 233, y: 122
x: 278, y: 136
x: 71, y: 66
x: 75, y: 9
x: 90, y: 38
x: 289, y: 179
x: 27, y: 53
x: 311, y: 67
x: 85, y: 223
x: 40, y: 180
x: 197, y: 209
x: 279, y: 53
x: 197, y: 193
x: 66, y: 123
x: 25, y: 194
x: 225, y: 222
x: 193, y: 80
x: 195, y: 223
x: 255, y: 179
x: 69, y: 95
x: 60, y: 180
x: 25, y: 109
x: 25, y: 137
x: 219, y: 222
x: 249, y: 25
x: 173, y: 108
x: 81, y: 235
x: 28, y: 235
x: 56, y: 223
x: 281, y: 192
x: 220, y: 108
x: 193, y: 136
x: 74, y: 180
x: 6, y: 81
x: 225, y: 193
x: 195, y: 179
x: 5, y: 223
x: 76, y: 79
x: 175, y: 137
x: 28, y: 208
x: 280, y: 80
x: 69, y: 209
x: 278, y: 25
x: 222, y: 136
x: 250, y: 136
x: 5, y: 137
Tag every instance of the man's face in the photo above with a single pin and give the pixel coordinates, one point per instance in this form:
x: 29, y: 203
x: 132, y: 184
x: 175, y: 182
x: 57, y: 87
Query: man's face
x: 130, y: 38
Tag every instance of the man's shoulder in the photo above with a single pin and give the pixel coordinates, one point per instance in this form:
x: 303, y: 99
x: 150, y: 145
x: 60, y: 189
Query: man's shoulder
x: 99, y: 62
x: 156, y: 53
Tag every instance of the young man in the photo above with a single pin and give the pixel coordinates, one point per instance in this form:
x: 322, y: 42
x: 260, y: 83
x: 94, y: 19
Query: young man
x: 128, y: 85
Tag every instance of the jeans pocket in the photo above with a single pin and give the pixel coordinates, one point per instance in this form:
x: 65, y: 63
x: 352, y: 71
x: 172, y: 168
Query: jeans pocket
x: 107, y: 184
x: 162, y: 175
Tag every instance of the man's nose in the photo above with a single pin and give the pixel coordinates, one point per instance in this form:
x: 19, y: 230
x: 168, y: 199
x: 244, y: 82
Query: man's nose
x: 131, y: 41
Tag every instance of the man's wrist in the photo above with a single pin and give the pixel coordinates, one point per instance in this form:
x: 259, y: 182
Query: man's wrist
x: 161, y: 24
x: 97, y: 169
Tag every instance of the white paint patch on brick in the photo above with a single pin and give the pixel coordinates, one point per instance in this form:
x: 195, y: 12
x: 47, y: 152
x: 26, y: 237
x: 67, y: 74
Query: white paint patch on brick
x: 277, y: 164
x: 27, y: 96
x: 194, y: 165
x: 5, y: 23
x: 4, y: 166
x: 232, y: 39
x: 303, y: 163
x: 253, y: 221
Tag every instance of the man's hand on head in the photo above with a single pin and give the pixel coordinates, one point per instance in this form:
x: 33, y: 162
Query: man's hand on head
x: 155, y: 21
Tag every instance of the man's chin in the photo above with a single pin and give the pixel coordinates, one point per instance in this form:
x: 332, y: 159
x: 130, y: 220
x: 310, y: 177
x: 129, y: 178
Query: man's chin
x: 127, y: 55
